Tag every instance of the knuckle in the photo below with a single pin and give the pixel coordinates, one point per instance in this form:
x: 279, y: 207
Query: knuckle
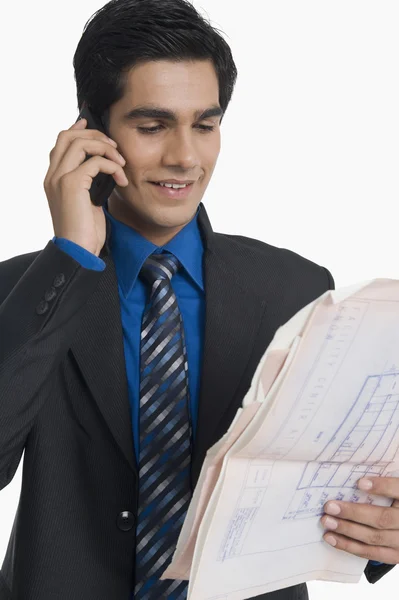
x: 64, y: 181
x: 62, y: 134
x: 75, y: 141
x: 48, y: 181
x: 366, y: 553
x: 376, y: 538
x: 384, y: 519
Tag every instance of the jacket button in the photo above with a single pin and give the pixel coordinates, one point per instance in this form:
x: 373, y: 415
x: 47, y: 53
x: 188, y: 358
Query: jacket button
x: 42, y: 307
x: 59, y: 280
x: 50, y: 294
x: 125, y: 520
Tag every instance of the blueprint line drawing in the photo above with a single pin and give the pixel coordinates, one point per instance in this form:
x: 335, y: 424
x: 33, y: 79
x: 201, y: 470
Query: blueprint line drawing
x: 337, y: 343
x: 250, y: 499
x: 368, y: 441
x: 379, y: 399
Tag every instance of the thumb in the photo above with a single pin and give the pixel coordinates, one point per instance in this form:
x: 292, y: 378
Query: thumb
x: 80, y: 124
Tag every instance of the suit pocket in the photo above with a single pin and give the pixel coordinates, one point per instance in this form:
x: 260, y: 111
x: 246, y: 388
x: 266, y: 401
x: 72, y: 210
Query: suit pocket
x: 5, y: 592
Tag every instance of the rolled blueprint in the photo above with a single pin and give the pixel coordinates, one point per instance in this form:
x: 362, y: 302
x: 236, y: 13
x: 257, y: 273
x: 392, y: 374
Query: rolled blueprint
x: 322, y: 411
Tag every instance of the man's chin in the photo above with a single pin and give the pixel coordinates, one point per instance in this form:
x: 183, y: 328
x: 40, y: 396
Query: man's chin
x: 154, y: 211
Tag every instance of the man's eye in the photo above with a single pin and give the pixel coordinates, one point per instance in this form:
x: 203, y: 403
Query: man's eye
x: 203, y: 128
x: 149, y: 129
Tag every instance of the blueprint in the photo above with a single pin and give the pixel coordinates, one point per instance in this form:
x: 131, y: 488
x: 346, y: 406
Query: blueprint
x: 328, y: 415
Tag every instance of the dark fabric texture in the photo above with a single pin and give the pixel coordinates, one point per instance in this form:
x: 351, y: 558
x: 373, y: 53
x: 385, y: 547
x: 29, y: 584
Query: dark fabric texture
x: 63, y: 400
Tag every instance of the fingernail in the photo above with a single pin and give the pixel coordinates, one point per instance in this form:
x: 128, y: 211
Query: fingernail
x: 332, y: 508
x: 331, y: 540
x: 113, y: 142
x: 330, y: 523
x: 364, y: 484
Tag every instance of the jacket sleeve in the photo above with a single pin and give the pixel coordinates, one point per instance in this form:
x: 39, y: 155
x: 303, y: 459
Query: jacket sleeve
x: 81, y: 255
x: 374, y: 572
x: 330, y: 279
x: 39, y: 313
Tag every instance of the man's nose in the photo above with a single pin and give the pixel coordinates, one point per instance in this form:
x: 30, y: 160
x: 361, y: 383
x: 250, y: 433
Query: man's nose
x: 181, y: 150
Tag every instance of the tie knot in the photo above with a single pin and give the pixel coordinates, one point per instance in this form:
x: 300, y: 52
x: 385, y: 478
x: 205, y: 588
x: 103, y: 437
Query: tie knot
x: 159, y: 266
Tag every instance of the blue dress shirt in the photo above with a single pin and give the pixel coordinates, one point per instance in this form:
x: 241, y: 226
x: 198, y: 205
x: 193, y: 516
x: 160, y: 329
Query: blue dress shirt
x: 129, y: 251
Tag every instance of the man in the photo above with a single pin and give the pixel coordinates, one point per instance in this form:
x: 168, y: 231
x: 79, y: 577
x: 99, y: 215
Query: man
x: 130, y: 340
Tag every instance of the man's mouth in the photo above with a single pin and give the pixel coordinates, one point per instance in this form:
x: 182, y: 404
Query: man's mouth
x: 173, y: 192
x: 175, y: 186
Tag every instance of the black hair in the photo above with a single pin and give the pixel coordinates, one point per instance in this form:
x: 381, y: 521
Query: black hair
x: 124, y: 33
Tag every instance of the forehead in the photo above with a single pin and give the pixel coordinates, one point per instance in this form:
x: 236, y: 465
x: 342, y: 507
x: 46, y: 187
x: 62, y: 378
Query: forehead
x: 179, y: 84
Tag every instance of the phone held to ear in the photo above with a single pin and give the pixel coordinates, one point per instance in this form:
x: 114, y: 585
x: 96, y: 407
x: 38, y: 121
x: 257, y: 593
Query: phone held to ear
x: 103, y: 184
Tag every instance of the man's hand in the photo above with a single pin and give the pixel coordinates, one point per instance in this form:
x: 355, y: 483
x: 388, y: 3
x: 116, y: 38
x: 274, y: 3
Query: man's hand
x: 367, y: 531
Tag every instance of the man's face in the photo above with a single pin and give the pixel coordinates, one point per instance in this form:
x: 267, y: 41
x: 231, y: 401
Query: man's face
x: 182, y: 149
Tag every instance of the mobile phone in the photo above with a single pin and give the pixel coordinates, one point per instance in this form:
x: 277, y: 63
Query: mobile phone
x: 103, y: 183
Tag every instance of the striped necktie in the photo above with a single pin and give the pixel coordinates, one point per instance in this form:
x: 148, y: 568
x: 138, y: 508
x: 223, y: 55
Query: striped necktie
x: 165, y: 434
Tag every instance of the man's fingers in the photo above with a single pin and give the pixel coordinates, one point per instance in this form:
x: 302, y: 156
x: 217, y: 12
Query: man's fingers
x: 366, y: 530
x: 379, y: 517
x: 381, y: 554
x: 361, y: 533
x: 381, y: 486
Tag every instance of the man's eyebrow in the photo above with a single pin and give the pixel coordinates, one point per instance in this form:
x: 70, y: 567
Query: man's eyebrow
x: 156, y: 112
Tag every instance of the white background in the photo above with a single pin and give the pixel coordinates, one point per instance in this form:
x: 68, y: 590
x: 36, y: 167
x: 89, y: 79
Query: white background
x: 309, y: 157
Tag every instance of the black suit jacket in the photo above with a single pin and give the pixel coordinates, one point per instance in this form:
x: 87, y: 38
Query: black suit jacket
x: 64, y: 400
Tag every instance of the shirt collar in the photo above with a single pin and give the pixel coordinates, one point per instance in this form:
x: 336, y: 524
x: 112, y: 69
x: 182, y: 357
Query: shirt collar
x: 130, y: 249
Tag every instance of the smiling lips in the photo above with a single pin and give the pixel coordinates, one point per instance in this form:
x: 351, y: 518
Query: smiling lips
x: 171, y: 192
x: 176, y: 181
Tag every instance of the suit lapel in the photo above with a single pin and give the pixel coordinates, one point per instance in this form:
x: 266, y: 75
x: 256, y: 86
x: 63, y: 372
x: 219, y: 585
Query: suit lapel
x: 232, y: 316
x: 232, y: 320
x: 99, y: 352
